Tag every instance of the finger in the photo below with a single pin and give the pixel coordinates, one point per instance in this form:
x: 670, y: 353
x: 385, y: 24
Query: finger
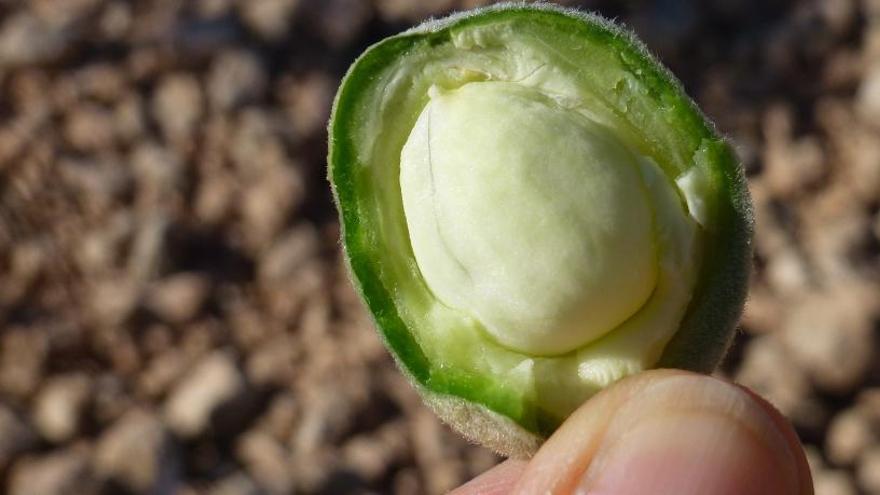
x: 670, y: 432
x: 497, y: 481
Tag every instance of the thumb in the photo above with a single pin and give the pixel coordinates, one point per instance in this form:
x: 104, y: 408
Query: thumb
x: 670, y: 432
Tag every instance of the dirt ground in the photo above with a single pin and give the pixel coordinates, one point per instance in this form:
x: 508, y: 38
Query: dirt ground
x: 174, y: 313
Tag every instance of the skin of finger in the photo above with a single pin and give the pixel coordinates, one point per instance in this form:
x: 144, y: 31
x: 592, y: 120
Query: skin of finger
x: 559, y: 465
x: 497, y: 481
x: 804, y: 478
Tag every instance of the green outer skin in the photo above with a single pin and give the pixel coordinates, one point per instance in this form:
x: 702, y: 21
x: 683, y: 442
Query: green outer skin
x: 709, y: 323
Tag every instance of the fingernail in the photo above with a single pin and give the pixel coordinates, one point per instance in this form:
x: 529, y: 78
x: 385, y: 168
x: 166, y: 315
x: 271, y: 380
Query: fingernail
x: 692, y: 439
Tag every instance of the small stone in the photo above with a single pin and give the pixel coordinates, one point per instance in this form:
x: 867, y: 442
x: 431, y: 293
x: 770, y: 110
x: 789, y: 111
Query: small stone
x: 111, y: 399
x: 370, y: 456
x: 115, y: 20
x: 27, y: 39
x: 236, y: 484
x: 162, y: 372
x: 158, y: 170
x: 59, y: 406
x: 178, y: 298
x: 128, y: 117
x: 215, y: 197
x: 768, y: 369
x: 267, y: 461
x: 212, y: 9
x: 16, y: 437
x: 339, y: 22
x: 64, y: 13
x: 236, y: 77
x: 148, y: 246
x: 833, y: 482
x: 281, y: 416
x: 23, y: 352
x: 288, y: 254
x: 269, y: 18
x: 213, y: 382
x: 267, y: 204
x: 307, y: 102
x: 99, y: 181
x: 833, y: 230
x: 101, y: 81
x: 136, y: 452
x: 256, y: 146
x: 868, y: 471
x: 830, y: 335
x: 868, y: 97
x: 177, y: 106
x: 850, y: 434
x: 26, y: 261
x: 273, y: 362
x: 98, y: 250
x: 89, y: 127
x: 838, y: 15
x: 113, y: 300
x: 63, y: 472
x: 787, y: 272
x: 406, y: 10
x: 868, y: 401
x: 790, y: 166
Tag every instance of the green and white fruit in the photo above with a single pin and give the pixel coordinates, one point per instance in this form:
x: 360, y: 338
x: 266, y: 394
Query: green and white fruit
x: 532, y: 209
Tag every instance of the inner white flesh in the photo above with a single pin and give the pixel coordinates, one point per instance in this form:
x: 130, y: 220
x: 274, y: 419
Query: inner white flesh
x: 587, y: 79
x: 528, y: 216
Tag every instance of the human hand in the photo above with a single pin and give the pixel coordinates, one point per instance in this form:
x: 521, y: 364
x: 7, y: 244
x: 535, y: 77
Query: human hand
x: 662, y: 432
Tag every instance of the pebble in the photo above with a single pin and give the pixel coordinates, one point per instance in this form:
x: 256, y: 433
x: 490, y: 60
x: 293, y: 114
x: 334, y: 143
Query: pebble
x: 271, y: 19
x: 113, y: 300
x: 16, y: 436
x: 215, y: 197
x: 23, y: 352
x: 831, y: 337
x: 267, y: 204
x: 179, y: 297
x: 90, y: 128
x: 868, y: 472
x: 236, y: 484
x: 267, y: 461
x: 833, y: 482
x: 214, y: 381
x: 62, y: 472
x: 26, y: 39
x: 59, y: 406
x: 273, y: 362
x: 405, y: 10
x: 236, y: 77
x: 136, y: 451
x: 339, y: 22
x: 288, y: 254
x: 161, y: 373
x: 768, y: 369
x: 827, y: 481
x: 868, y: 96
x: 177, y: 106
x: 850, y: 434
x: 307, y: 101
x: 159, y: 172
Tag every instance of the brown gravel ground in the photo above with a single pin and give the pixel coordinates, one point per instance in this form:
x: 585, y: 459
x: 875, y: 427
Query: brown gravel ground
x: 174, y: 316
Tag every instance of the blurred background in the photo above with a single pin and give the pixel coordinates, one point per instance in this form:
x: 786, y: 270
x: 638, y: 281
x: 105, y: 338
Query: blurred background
x: 174, y: 314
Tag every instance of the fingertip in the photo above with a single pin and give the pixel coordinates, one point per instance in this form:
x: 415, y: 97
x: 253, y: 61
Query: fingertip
x: 497, y: 481
x: 791, y: 438
x: 669, y: 432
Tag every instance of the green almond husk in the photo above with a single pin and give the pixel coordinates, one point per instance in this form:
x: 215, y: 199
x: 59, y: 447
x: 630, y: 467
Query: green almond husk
x: 470, y: 404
